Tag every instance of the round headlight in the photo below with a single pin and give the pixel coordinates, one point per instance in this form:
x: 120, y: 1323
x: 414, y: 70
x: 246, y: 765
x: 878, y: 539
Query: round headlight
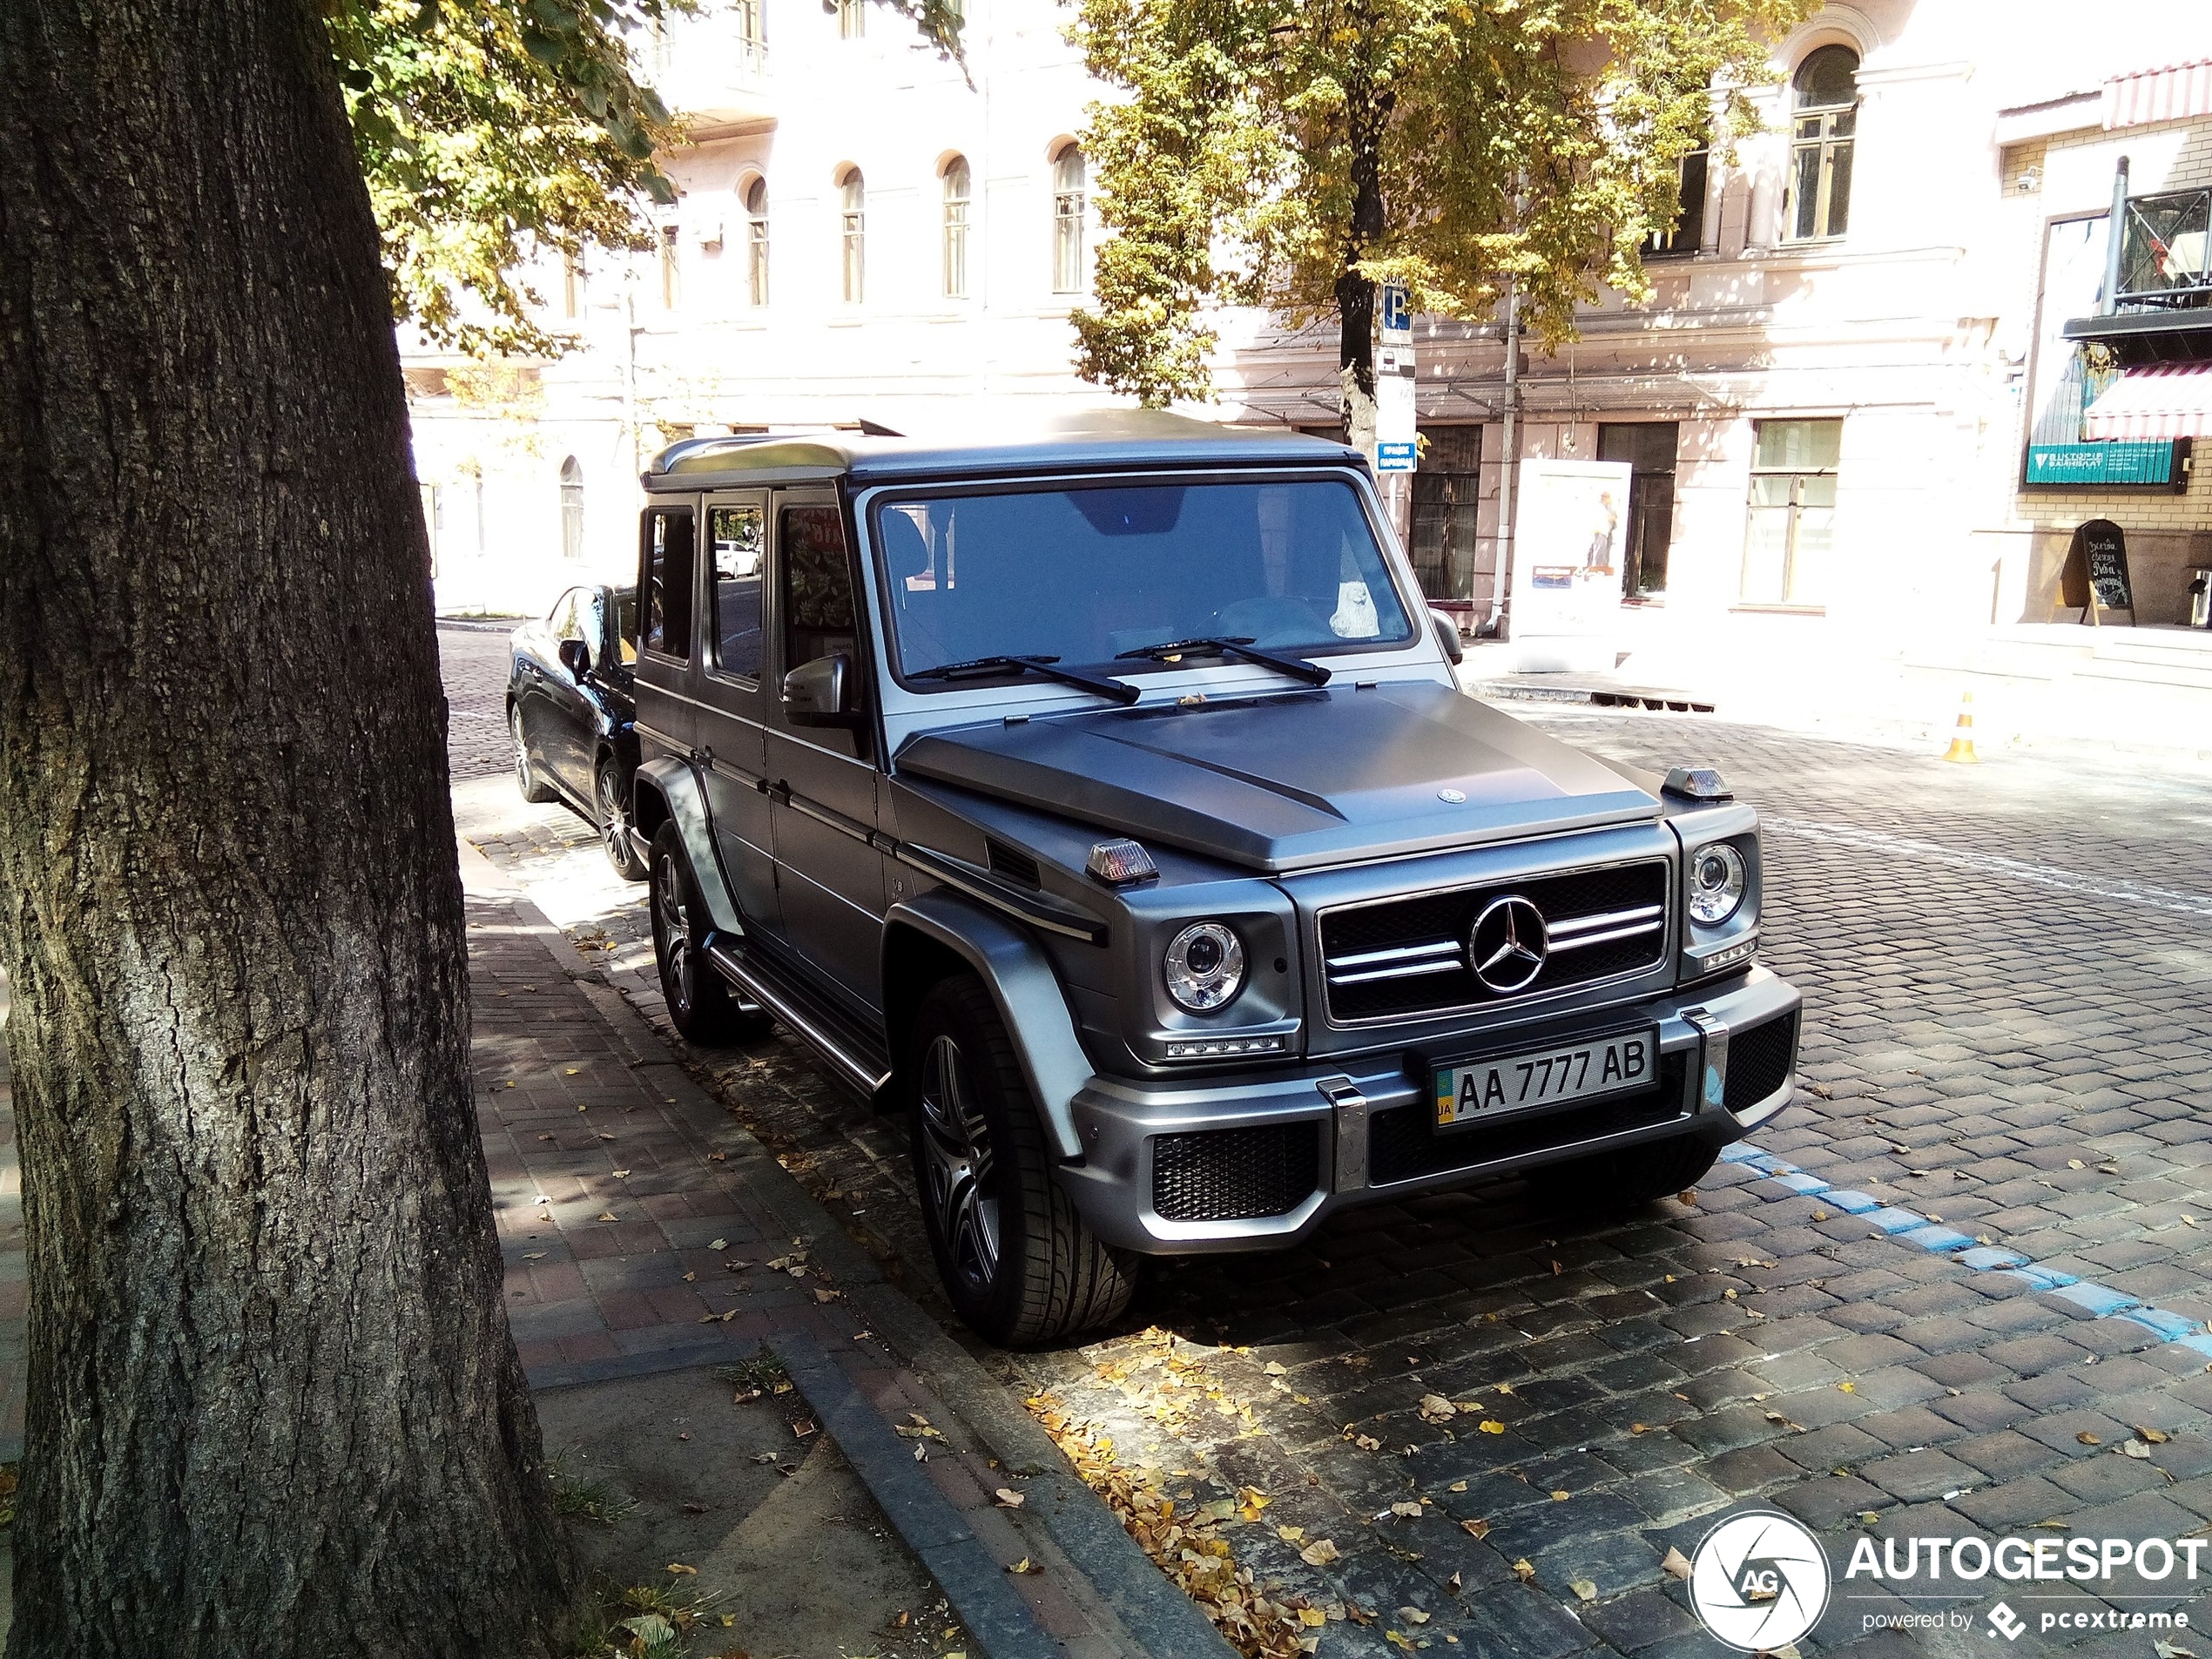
x: 1717, y: 883
x: 1204, y: 966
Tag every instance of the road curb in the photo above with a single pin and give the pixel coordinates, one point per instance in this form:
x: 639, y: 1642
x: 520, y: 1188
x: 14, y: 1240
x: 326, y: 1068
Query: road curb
x: 997, y: 1620
x: 1161, y: 1622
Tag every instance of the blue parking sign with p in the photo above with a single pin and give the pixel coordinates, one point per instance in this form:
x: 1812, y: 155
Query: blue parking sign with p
x: 1397, y: 314
x: 1396, y: 457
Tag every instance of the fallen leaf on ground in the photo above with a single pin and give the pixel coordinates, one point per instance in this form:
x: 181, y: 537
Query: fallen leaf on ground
x: 2075, y: 1163
x: 1677, y: 1565
x: 1475, y: 1528
x: 1291, y: 1534
x: 1025, y: 1565
x: 2088, y: 1438
x: 799, y: 1431
x: 605, y: 1215
x: 678, y: 1566
x: 1011, y: 1499
x: 1311, y: 1617
x: 2155, y: 1436
x: 718, y: 1243
x: 1437, y: 1409
x: 1848, y: 1387
x: 1410, y: 1511
x: 1319, y: 1553
x: 1524, y: 1572
x: 1820, y: 1215
x: 1688, y: 1195
x: 1413, y: 1616
x: 1559, y: 1497
x: 1584, y: 1589
x: 1492, y: 1425
x: 2132, y: 1447
x: 1276, y: 1368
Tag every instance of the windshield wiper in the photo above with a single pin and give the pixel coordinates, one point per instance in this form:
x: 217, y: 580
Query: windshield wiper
x: 1237, y: 645
x: 976, y: 667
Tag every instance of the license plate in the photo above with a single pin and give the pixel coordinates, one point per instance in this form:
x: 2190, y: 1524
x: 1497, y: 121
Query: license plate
x: 1545, y: 1077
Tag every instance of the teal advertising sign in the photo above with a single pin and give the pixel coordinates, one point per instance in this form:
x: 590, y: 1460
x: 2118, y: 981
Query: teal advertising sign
x: 2132, y: 463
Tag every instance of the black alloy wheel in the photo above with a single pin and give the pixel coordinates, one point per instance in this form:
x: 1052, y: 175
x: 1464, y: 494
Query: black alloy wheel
x: 1016, y: 1259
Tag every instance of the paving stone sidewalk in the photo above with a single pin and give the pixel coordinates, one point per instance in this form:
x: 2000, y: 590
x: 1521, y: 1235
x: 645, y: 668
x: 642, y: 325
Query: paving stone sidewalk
x: 646, y: 1230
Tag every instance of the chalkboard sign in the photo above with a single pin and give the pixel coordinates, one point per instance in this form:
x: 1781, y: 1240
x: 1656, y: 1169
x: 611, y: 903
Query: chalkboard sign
x: 2098, y: 560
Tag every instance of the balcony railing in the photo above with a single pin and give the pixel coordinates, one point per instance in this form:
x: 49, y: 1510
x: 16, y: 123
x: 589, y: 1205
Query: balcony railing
x: 2166, y: 250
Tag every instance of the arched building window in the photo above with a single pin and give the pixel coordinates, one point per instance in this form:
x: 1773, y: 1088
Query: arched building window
x: 957, y: 181
x: 756, y: 242
x: 1824, y: 122
x: 572, y: 509
x: 1067, y: 271
x: 853, y: 194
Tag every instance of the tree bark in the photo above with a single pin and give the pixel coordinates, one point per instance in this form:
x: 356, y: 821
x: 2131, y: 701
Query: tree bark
x: 273, y: 1405
x: 1368, y: 116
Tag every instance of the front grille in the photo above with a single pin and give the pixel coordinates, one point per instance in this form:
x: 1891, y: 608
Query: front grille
x: 1405, y: 957
x: 1402, y: 1144
x: 1235, y: 1174
x: 1758, y: 1061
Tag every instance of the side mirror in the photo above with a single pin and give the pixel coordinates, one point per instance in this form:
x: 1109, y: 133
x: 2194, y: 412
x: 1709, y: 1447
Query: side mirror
x: 576, y: 657
x: 821, y: 692
x: 1447, y: 635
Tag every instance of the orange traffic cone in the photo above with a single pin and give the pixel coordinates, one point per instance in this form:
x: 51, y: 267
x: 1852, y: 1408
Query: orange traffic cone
x: 1962, y: 739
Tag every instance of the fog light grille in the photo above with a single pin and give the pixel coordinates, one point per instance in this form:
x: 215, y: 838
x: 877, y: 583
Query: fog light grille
x: 1759, y: 1061
x: 1235, y: 1174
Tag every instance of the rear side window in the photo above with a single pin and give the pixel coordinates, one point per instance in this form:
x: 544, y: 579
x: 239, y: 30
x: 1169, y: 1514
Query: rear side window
x: 671, y: 540
x: 735, y: 532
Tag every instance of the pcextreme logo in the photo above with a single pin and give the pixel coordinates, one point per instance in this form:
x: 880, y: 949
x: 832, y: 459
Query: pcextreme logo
x: 1758, y: 1582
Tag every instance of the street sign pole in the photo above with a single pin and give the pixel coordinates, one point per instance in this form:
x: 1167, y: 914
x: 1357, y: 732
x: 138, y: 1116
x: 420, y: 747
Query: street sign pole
x: 1397, y: 422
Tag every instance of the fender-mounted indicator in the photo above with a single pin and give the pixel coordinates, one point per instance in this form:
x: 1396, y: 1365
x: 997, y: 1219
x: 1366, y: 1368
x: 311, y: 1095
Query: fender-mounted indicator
x: 1121, y: 863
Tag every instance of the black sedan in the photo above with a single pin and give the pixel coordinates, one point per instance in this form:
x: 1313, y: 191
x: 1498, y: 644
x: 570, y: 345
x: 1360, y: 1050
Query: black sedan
x: 570, y: 709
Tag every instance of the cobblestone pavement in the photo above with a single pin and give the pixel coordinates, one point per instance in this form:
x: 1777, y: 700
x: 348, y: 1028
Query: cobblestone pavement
x: 2005, y: 975
x: 473, y: 657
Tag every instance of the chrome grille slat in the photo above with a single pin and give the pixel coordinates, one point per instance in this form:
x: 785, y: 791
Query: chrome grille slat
x: 1405, y: 958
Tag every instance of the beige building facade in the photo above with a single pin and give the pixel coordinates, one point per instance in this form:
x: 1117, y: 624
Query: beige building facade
x: 1825, y: 407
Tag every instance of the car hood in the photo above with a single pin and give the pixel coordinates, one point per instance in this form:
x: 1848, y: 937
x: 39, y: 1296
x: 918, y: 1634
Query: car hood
x: 1290, y: 782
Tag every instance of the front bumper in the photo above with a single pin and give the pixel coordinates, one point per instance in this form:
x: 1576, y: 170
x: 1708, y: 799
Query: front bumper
x: 1297, y: 1147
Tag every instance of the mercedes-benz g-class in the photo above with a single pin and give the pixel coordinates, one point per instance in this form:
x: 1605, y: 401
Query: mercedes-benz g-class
x: 1105, y: 801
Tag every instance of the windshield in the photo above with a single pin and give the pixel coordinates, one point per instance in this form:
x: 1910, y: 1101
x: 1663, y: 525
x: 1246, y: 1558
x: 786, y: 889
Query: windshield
x: 1084, y: 574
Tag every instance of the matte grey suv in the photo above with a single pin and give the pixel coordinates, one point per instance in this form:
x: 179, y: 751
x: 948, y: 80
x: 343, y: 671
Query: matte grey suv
x: 1105, y: 801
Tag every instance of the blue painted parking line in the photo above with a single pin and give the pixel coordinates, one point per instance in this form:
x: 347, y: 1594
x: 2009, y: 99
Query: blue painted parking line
x: 2100, y: 1301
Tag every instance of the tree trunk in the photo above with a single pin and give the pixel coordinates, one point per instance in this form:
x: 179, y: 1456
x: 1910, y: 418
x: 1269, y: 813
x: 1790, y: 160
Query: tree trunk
x: 1368, y: 116
x: 273, y: 1406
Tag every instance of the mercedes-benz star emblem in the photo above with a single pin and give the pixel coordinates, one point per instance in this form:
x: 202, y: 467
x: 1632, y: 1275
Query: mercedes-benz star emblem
x: 1508, y: 945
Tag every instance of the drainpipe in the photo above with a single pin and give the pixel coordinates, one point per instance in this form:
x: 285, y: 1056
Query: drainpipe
x: 1506, y: 494
x: 2116, y: 234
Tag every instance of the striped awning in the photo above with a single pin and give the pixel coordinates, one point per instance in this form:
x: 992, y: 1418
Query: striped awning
x: 2174, y: 93
x: 2163, y: 400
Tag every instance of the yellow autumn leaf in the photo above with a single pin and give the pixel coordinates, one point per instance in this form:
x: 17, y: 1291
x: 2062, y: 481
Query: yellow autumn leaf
x: 678, y: 1568
x: 1475, y: 1528
x: 1319, y: 1553
x: 1492, y: 1425
x: 1311, y: 1617
x: 1524, y: 1572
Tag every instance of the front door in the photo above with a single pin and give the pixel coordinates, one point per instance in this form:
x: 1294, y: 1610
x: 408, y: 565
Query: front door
x: 822, y: 780
x: 731, y: 741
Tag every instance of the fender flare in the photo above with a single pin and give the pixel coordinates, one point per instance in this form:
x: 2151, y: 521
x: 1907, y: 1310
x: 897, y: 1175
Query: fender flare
x: 1026, y: 991
x: 678, y: 786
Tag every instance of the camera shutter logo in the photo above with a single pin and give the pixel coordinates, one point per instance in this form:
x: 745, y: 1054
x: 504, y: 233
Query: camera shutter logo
x: 1758, y: 1582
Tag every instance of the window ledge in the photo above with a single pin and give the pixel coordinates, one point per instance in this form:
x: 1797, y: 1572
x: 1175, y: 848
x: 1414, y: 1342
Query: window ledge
x: 1780, y: 610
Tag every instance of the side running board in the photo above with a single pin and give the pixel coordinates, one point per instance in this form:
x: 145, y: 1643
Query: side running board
x: 858, y: 1060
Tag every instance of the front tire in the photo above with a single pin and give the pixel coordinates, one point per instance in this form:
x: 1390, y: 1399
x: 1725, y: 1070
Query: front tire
x: 534, y: 788
x: 1623, y: 1179
x: 614, y: 821
x: 701, y: 1005
x: 1019, y: 1264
